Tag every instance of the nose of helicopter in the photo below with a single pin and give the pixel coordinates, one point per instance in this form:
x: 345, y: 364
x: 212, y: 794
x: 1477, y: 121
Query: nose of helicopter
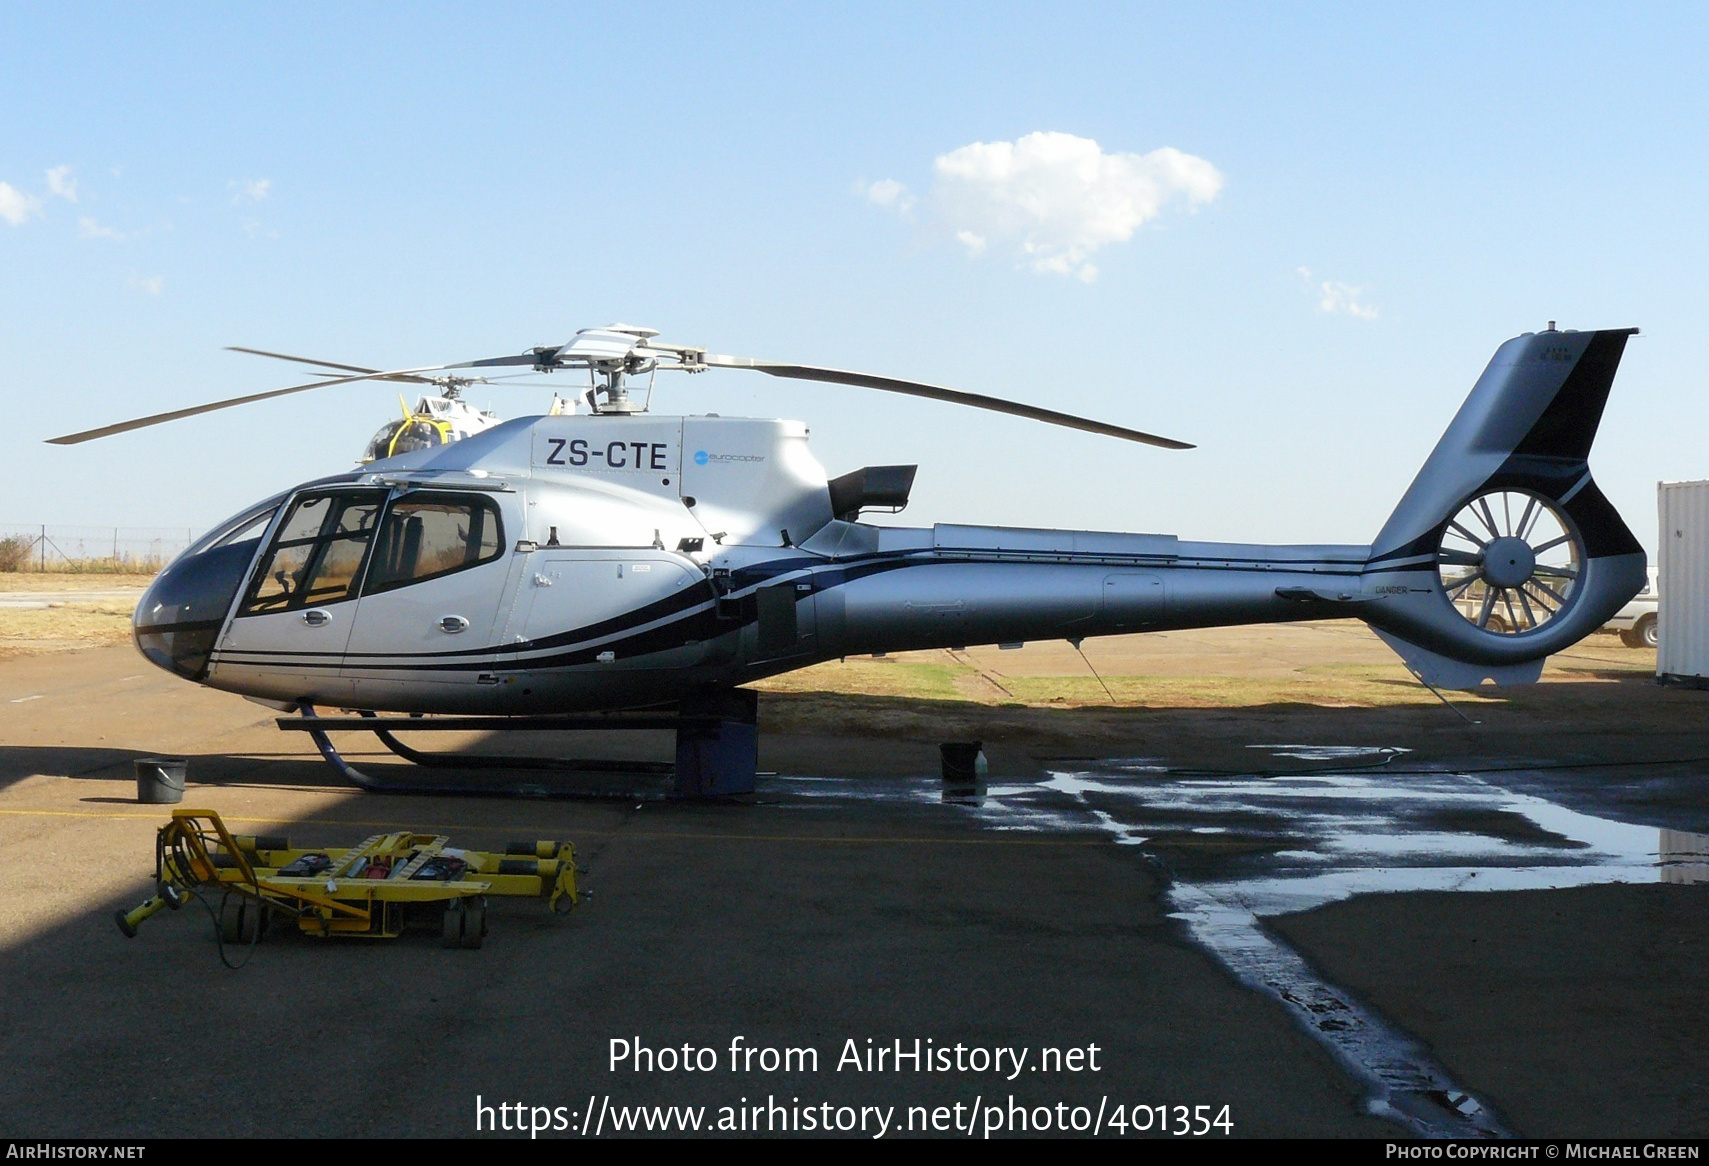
x: 178, y: 621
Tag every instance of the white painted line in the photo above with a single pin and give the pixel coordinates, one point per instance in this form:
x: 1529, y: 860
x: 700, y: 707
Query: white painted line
x: 22, y: 699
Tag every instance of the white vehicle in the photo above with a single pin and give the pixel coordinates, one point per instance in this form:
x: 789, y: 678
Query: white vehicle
x: 1636, y: 622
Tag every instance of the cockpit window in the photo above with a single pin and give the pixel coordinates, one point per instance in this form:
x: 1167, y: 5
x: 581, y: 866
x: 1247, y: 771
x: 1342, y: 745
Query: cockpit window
x: 250, y: 531
x: 317, y: 553
x: 425, y: 536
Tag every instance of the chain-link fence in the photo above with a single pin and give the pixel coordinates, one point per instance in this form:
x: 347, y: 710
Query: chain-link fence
x: 94, y: 549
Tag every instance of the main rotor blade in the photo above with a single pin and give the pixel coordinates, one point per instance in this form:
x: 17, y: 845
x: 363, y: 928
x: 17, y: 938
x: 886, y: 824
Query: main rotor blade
x: 834, y: 376
x: 330, y: 364
x: 526, y: 358
x: 176, y: 414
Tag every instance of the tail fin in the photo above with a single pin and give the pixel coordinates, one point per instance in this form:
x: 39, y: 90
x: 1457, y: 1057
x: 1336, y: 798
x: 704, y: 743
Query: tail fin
x: 1503, y: 550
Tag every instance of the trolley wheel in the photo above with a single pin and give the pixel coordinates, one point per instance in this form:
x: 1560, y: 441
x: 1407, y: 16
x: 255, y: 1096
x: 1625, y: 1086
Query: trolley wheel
x: 465, y: 922
x: 474, y: 921
x: 242, y: 920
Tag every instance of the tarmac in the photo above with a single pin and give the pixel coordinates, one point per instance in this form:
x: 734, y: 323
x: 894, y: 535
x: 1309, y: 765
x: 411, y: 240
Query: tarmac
x: 41, y: 600
x: 794, y: 921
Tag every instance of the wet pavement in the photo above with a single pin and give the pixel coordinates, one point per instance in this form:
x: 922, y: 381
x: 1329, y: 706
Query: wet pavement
x: 1237, y: 848
x: 1168, y: 914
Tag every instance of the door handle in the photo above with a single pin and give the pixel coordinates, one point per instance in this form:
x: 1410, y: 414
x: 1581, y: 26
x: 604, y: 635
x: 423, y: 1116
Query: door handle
x: 452, y: 624
x: 316, y: 618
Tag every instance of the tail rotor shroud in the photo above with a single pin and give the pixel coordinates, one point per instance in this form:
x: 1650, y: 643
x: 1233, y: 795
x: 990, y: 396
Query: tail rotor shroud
x: 1509, y: 561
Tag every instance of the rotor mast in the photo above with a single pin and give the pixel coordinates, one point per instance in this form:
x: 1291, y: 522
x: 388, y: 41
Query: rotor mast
x: 614, y: 356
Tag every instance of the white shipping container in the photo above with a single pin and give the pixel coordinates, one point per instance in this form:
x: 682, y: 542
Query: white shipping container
x: 1683, y: 620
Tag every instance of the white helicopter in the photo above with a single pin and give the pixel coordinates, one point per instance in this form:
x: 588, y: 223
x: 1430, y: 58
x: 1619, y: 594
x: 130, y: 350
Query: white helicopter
x: 619, y: 560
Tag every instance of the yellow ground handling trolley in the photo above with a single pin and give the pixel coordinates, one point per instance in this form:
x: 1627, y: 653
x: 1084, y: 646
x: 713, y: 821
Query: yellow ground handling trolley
x: 371, y: 890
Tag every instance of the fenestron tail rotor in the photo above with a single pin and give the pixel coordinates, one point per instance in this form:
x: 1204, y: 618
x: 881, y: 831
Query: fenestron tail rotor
x: 1509, y: 561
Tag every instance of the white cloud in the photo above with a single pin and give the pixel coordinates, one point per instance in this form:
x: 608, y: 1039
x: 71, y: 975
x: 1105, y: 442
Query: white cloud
x: 88, y: 228
x: 887, y: 192
x: 1336, y: 298
x: 1054, y: 198
x: 60, y: 182
x: 16, y: 207
x: 251, y: 190
x: 153, y: 285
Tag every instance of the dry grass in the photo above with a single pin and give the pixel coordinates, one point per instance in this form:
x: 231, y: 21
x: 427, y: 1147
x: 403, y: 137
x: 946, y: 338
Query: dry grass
x: 68, y: 625
x: 1326, y: 687
x: 63, y: 629
x: 10, y: 564
x: 918, y: 676
x: 943, y: 676
x: 1599, y: 692
x: 935, y: 684
x: 72, y: 580
x: 14, y: 552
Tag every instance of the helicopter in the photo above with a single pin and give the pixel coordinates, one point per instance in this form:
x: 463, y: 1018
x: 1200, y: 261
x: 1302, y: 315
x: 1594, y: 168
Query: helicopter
x: 434, y: 421
x: 616, y: 559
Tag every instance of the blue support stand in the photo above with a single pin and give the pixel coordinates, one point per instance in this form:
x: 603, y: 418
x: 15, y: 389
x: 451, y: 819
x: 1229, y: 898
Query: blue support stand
x: 717, y: 744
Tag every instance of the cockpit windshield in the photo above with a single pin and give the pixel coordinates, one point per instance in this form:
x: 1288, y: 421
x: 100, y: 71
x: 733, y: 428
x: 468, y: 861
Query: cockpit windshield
x: 181, y: 613
x: 241, y: 527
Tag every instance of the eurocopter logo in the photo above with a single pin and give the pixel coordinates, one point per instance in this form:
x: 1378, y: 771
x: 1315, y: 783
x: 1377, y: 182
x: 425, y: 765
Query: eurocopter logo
x: 701, y: 457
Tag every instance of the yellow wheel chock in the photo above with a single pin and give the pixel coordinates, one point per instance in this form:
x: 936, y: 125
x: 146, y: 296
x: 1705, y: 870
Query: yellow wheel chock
x: 365, y: 890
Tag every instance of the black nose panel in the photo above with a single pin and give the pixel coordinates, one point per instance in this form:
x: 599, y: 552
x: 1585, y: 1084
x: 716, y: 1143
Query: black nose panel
x: 179, y: 619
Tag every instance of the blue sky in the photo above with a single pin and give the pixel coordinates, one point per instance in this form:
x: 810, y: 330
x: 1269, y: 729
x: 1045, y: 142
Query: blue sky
x: 1376, y: 198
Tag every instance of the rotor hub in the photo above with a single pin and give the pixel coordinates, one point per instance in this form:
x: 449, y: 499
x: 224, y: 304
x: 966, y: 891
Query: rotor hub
x: 1508, y: 562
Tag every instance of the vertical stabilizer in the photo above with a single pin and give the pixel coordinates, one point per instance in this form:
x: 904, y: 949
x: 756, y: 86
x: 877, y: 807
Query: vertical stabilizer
x: 1503, y: 550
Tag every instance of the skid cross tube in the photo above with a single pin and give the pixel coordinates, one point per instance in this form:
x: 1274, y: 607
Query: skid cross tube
x: 690, y: 727
x: 471, y: 761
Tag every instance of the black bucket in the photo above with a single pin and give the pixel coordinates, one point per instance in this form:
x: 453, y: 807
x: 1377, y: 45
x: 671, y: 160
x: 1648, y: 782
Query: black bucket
x: 963, y: 771
x: 160, y: 780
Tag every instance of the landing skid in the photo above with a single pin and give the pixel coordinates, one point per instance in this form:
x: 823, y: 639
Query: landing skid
x: 716, y: 750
